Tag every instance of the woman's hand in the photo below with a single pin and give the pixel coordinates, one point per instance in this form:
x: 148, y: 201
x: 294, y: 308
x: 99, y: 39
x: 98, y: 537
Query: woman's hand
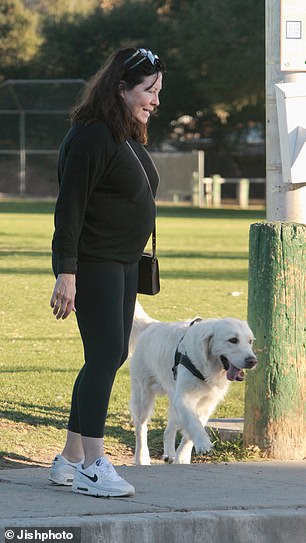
x: 63, y: 296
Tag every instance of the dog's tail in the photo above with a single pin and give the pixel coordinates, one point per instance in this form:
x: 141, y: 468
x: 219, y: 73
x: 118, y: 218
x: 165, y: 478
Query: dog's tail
x: 141, y: 321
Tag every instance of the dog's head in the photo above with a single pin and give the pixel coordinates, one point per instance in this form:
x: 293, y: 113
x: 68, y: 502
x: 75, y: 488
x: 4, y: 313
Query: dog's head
x: 225, y: 341
x: 232, y: 343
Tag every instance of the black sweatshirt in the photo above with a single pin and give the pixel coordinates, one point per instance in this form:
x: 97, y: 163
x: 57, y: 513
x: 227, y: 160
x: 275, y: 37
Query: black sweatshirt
x: 105, y: 209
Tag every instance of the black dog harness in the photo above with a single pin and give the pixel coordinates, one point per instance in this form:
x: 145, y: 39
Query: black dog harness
x: 181, y: 358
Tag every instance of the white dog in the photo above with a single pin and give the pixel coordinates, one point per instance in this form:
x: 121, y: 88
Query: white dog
x: 192, y: 362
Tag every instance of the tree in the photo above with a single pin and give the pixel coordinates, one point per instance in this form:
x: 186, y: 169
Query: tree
x: 77, y: 46
x: 57, y: 8
x: 214, y: 51
x: 223, y: 54
x: 19, y: 38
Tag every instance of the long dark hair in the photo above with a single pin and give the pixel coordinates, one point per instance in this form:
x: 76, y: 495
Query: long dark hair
x: 101, y: 98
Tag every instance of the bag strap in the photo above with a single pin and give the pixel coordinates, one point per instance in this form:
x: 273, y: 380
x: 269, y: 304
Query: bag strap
x: 154, y: 241
x: 144, y: 171
x: 146, y: 175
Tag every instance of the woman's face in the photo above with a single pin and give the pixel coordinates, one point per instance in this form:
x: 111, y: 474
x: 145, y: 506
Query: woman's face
x: 142, y: 99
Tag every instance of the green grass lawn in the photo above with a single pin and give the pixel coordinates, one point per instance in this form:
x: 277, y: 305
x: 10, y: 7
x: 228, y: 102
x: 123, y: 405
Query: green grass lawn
x: 203, y: 258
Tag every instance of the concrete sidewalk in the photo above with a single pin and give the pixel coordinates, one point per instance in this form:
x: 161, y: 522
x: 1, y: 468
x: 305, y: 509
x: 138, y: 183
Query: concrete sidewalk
x: 258, y: 502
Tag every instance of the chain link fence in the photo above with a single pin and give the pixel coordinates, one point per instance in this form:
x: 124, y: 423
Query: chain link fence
x: 34, y: 116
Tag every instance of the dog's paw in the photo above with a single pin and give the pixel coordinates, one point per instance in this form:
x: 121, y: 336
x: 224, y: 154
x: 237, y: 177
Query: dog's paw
x: 168, y: 459
x: 182, y: 459
x: 203, y: 446
x: 142, y: 461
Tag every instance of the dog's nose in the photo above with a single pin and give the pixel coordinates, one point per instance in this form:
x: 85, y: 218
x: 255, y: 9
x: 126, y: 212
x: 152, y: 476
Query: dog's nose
x: 250, y: 362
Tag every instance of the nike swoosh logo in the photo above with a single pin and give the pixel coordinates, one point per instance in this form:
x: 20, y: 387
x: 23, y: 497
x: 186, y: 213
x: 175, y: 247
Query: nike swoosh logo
x: 93, y: 479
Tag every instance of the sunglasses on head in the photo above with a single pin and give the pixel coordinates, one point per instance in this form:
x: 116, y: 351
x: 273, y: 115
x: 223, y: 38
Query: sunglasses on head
x: 145, y: 54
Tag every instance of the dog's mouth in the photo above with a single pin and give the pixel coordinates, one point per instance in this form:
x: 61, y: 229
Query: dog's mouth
x: 232, y: 373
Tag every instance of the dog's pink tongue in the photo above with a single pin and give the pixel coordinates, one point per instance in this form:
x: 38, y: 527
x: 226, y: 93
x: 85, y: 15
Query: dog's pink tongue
x: 234, y: 374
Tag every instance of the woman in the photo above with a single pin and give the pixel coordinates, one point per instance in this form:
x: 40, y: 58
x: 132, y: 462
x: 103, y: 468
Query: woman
x: 104, y: 215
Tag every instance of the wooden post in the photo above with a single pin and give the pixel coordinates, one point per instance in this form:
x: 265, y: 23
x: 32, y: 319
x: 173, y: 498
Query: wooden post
x: 195, y: 188
x: 243, y: 193
x: 207, y: 188
x: 275, y: 410
x: 217, y: 181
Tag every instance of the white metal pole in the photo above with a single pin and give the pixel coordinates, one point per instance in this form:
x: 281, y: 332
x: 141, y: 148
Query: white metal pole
x: 285, y: 202
x: 22, y: 154
x: 201, y: 170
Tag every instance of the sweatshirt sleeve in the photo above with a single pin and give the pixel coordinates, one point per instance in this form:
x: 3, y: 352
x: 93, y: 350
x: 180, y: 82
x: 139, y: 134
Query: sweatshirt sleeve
x: 79, y: 167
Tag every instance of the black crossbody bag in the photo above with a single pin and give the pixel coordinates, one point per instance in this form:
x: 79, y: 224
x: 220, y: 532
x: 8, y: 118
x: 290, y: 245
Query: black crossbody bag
x: 148, y: 271
x: 148, y: 268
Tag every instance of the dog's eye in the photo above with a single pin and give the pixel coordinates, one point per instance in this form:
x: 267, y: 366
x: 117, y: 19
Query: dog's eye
x: 233, y: 340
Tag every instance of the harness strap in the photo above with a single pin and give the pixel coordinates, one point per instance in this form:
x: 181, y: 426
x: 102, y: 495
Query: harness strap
x: 181, y: 358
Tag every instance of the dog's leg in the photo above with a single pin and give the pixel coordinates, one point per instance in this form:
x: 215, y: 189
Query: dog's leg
x: 183, y: 452
x: 169, y: 437
x: 204, y: 419
x: 186, y: 407
x: 142, y: 454
x: 142, y: 403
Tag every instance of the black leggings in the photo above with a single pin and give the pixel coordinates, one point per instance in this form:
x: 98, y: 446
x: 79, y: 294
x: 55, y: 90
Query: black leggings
x: 105, y: 300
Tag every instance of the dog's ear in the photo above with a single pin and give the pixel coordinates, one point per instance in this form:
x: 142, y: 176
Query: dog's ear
x: 207, y: 346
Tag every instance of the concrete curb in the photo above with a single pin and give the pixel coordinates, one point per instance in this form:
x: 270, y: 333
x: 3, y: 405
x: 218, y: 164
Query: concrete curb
x: 242, y: 502
x: 265, y: 526
x: 228, y: 429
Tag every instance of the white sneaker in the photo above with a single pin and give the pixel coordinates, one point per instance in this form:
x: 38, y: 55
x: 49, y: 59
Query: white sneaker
x: 101, y: 479
x: 62, y: 471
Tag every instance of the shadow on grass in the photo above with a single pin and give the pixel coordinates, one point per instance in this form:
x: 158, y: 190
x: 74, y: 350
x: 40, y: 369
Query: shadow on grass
x: 26, y: 206
x: 123, y: 436
x: 31, y: 206
x: 217, y: 275
x: 118, y: 428
x: 38, y: 369
x: 26, y: 271
x: 197, y: 213
x: 34, y: 415
x: 33, y: 254
x: 123, y: 432
x: 204, y: 255
x: 42, y: 338
x: 11, y: 460
x: 224, y: 274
